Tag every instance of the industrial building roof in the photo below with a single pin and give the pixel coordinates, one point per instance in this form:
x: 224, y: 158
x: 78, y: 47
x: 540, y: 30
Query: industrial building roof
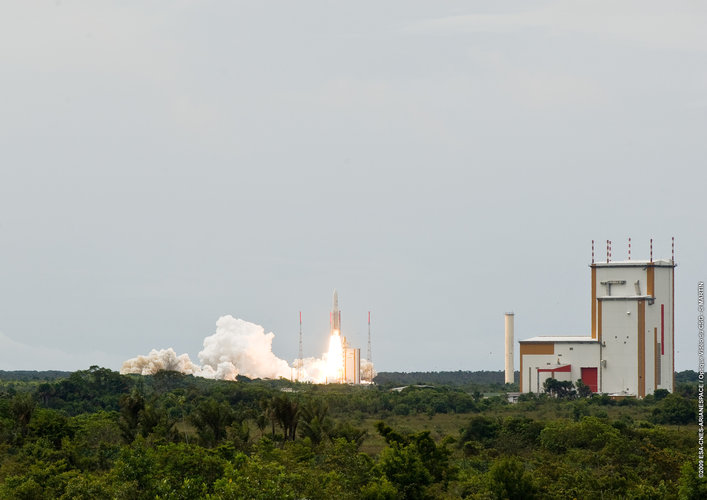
x: 566, y: 338
x: 635, y: 263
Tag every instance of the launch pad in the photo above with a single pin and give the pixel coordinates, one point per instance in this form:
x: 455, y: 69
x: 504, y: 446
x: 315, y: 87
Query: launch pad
x: 342, y: 363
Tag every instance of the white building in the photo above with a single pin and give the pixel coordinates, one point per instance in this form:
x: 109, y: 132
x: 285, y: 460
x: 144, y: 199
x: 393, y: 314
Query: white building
x: 352, y: 365
x: 631, y: 347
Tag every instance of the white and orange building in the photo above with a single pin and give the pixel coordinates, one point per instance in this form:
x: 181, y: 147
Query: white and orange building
x: 630, y: 351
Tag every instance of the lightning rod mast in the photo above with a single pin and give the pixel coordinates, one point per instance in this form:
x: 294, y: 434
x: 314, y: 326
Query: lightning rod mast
x: 299, y: 359
x: 368, y: 353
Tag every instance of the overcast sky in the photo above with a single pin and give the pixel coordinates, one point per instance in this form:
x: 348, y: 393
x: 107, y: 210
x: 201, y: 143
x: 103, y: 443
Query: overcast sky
x: 438, y: 163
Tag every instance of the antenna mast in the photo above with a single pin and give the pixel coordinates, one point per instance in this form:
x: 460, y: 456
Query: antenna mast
x: 368, y: 354
x: 299, y: 359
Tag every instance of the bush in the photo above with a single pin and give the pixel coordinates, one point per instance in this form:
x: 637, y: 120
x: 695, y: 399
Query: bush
x: 590, y: 433
x: 676, y: 410
x: 509, y: 480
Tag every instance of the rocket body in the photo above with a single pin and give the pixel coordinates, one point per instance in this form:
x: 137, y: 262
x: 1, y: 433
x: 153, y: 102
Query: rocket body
x: 335, y: 318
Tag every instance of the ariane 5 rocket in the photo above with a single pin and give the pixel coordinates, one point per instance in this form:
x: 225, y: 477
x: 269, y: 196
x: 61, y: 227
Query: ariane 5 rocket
x: 335, y: 315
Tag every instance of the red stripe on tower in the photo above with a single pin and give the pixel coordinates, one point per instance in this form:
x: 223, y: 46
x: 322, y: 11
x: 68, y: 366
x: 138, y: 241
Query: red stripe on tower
x: 662, y: 329
x: 607, y: 251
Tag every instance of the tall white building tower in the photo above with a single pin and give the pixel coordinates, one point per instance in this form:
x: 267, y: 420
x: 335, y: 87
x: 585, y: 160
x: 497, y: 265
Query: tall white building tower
x: 631, y: 347
x: 509, y: 348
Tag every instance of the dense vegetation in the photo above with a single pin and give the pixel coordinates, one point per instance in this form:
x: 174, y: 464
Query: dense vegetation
x: 490, y: 381
x: 96, y: 434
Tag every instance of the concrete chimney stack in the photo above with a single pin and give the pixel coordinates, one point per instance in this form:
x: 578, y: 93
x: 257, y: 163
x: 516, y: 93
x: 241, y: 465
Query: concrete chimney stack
x: 509, y: 348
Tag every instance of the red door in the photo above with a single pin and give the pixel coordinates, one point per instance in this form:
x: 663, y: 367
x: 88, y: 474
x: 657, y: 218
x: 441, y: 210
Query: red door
x: 589, y: 377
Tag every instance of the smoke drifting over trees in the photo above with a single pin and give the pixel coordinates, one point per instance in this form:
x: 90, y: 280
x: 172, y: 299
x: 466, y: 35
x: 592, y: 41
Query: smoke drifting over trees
x: 238, y: 347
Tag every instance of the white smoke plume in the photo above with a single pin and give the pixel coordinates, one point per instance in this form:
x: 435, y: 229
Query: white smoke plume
x: 241, y: 348
x: 164, y: 359
x: 237, y: 348
x: 368, y: 372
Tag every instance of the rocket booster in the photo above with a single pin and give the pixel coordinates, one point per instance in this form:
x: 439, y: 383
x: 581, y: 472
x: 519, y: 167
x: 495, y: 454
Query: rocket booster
x: 335, y: 315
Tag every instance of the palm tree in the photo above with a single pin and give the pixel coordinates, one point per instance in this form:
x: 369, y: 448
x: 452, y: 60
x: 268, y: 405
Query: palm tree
x: 315, y: 424
x: 22, y: 407
x: 211, y: 419
x: 131, y: 406
x: 286, y: 412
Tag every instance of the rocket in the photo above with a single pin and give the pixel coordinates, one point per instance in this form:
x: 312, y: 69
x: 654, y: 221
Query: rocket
x: 335, y: 315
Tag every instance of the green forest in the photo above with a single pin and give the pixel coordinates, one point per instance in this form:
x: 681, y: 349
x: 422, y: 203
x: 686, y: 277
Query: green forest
x: 95, y: 434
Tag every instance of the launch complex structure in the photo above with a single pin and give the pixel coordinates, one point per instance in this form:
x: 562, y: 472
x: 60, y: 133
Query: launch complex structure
x: 342, y: 359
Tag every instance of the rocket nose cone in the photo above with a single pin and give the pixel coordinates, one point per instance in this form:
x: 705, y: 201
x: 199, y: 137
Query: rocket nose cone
x: 335, y: 300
